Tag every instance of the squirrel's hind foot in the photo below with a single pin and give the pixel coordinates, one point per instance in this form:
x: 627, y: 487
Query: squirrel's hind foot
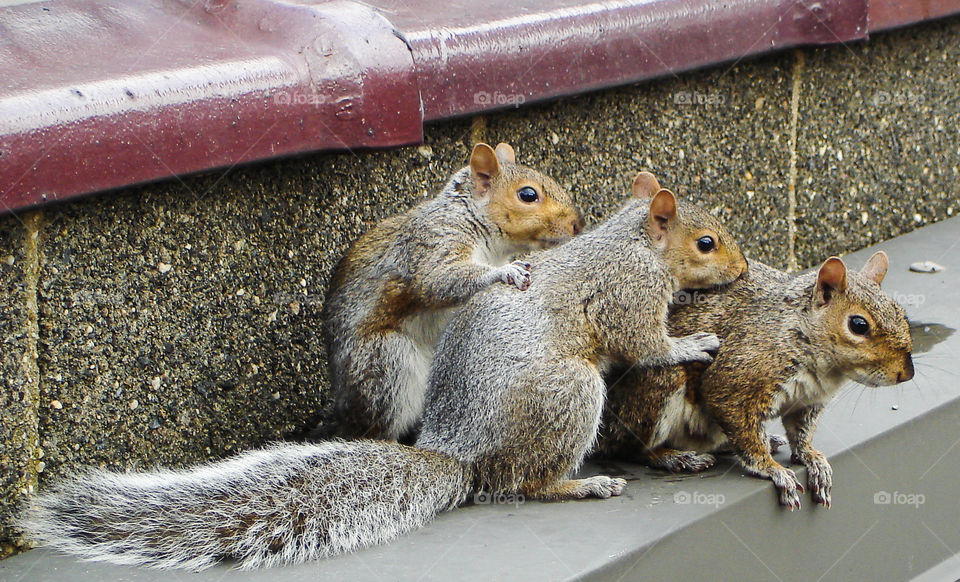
x: 598, y: 486
x: 681, y: 461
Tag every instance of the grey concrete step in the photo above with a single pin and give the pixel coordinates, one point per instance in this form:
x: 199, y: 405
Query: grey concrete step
x: 895, y: 453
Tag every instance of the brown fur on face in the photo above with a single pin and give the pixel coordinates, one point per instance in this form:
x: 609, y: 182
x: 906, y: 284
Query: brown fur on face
x: 551, y: 220
x: 881, y: 356
x: 677, y: 228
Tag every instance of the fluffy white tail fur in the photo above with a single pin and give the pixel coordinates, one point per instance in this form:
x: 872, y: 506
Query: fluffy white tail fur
x: 285, y: 504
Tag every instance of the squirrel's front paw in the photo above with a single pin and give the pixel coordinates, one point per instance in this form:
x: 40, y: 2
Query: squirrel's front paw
x: 516, y: 273
x: 787, y: 485
x: 819, y: 476
x: 696, y: 347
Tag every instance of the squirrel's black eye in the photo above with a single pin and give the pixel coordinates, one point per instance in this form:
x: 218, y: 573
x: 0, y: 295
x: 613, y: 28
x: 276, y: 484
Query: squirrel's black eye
x: 706, y: 244
x: 528, y: 194
x: 858, y: 325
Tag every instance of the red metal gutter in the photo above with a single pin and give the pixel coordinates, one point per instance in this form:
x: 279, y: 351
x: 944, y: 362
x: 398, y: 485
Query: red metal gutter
x: 97, y: 95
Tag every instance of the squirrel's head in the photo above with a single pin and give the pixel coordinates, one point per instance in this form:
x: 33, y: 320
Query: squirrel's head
x: 868, y: 330
x: 531, y: 209
x: 698, y: 250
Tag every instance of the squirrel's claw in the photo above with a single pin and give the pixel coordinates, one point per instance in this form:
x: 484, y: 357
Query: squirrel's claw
x: 819, y: 478
x: 788, y: 487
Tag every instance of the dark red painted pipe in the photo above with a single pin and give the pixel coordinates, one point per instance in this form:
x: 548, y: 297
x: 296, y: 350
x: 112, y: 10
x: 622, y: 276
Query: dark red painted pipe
x: 97, y: 95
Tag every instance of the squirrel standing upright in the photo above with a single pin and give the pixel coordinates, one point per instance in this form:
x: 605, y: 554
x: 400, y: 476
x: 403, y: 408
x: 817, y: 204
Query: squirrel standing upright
x: 789, y: 343
x: 516, y: 393
x: 392, y: 292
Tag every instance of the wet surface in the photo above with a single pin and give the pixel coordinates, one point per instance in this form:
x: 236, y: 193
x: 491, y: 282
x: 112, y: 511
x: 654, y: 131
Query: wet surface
x: 927, y: 335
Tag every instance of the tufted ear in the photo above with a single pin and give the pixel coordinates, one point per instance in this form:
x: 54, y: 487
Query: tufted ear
x: 505, y: 154
x: 484, y: 167
x: 832, y: 278
x: 876, y: 267
x: 645, y: 185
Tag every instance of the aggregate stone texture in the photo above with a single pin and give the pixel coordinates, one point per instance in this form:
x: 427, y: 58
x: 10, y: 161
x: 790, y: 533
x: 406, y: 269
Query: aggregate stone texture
x: 17, y: 396
x: 879, y: 140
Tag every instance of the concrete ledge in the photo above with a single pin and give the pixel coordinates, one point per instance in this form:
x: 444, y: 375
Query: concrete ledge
x: 895, y: 444
x: 177, y: 322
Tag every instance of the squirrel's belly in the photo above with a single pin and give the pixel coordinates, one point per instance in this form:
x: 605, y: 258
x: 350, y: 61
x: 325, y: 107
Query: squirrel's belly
x: 685, y: 425
x: 425, y: 327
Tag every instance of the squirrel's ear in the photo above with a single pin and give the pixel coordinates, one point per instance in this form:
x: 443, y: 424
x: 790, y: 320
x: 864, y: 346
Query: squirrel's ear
x: 663, y: 211
x: 484, y: 167
x: 505, y: 154
x: 832, y: 278
x: 645, y: 185
x: 876, y: 267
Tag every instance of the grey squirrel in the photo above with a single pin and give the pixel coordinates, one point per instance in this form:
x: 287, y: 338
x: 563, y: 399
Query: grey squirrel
x: 516, y: 393
x: 394, y: 289
x: 788, y: 345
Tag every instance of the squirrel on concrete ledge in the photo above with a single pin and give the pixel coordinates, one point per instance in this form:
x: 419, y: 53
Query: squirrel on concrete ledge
x: 395, y: 288
x: 789, y: 343
x: 516, y: 394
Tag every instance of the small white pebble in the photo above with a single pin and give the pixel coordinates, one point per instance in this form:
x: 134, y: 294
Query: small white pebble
x: 56, y: 404
x: 164, y: 267
x: 155, y: 383
x: 289, y: 254
x: 894, y: 407
x: 8, y: 260
x: 303, y: 282
x: 554, y: 138
x: 272, y: 317
x: 425, y: 151
x: 917, y: 218
x: 134, y: 404
x: 188, y: 246
x: 864, y: 217
x: 926, y: 267
x: 240, y: 292
x: 275, y: 396
x: 41, y: 466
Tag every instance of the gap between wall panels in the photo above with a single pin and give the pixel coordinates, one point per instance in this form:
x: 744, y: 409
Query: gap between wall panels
x: 27, y: 483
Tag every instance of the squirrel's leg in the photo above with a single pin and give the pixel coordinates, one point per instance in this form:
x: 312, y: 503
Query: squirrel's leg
x: 744, y: 429
x: 452, y: 283
x: 776, y: 442
x: 599, y: 486
x: 679, y: 350
x: 800, y: 425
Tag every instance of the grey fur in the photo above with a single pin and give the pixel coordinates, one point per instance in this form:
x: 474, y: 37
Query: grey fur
x: 437, y: 255
x: 516, y: 394
x: 284, y: 504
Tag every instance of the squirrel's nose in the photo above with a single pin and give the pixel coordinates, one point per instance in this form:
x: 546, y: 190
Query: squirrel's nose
x: 907, y: 373
x: 578, y: 225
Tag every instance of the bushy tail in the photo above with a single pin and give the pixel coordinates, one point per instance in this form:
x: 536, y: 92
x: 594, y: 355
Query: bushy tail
x: 281, y: 505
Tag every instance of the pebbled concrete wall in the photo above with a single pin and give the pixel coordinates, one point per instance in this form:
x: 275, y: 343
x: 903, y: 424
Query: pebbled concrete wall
x: 176, y: 322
